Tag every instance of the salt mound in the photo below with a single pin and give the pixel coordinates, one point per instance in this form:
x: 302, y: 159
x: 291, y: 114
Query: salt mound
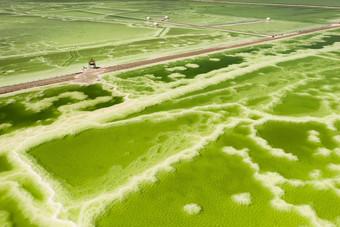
x: 322, y: 151
x: 190, y: 65
x: 192, y: 209
x: 176, y: 75
x: 242, y: 199
x: 314, y: 136
x: 315, y: 174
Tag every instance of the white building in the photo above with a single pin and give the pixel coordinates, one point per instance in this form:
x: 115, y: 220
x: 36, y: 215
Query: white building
x: 148, y: 18
x: 155, y: 24
x: 166, y: 18
x: 268, y: 19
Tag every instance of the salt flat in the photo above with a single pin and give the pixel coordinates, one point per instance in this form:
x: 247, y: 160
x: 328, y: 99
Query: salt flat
x: 240, y: 137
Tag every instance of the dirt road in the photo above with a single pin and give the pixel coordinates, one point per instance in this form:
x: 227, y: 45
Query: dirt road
x: 264, y: 3
x: 104, y: 70
x: 237, y: 23
x: 211, y: 27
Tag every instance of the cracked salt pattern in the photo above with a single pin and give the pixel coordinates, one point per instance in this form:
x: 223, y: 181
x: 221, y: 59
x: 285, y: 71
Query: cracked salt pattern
x: 259, y: 132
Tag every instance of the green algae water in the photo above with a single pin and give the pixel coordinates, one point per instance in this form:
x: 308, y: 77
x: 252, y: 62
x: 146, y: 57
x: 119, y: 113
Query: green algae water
x: 44, y: 107
x: 209, y: 181
x: 244, y: 137
x: 120, y: 150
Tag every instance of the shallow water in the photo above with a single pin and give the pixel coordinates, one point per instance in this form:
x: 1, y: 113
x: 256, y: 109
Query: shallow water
x: 251, y: 132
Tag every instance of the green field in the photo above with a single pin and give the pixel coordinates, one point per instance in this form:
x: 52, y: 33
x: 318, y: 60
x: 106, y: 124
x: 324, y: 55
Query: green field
x: 243, y: 137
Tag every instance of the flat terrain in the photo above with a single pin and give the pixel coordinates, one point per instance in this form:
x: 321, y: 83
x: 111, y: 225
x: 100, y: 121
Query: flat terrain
x: 188, y: 125
x: 77, y: 32
x: 269, y: 3
x: 324, y: 3
x: 97, y: 72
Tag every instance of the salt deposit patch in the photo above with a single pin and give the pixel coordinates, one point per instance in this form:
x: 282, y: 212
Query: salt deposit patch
x: 150, y: 76
x: 192, y: 209
x: 243, y: 199
x: 244, y: 154
x: 5, y: 125
x: 43, y: 104
x: 280, y: 153
x: 337, y: 138
x: 315, y: 174
x: 280, y: 204
x: 190, y: 65
x: 334, y: 167
x: 73, y: 94
x: 47, y: 102
x: 86, y: 103
x: 176, y: 75
x: 323, y: 152
x: 232, y: 151
x: 10, y: 71
x: 337, y: 151
x: 307, y: 211
x: 296, y: 183
x: 313, y: 136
